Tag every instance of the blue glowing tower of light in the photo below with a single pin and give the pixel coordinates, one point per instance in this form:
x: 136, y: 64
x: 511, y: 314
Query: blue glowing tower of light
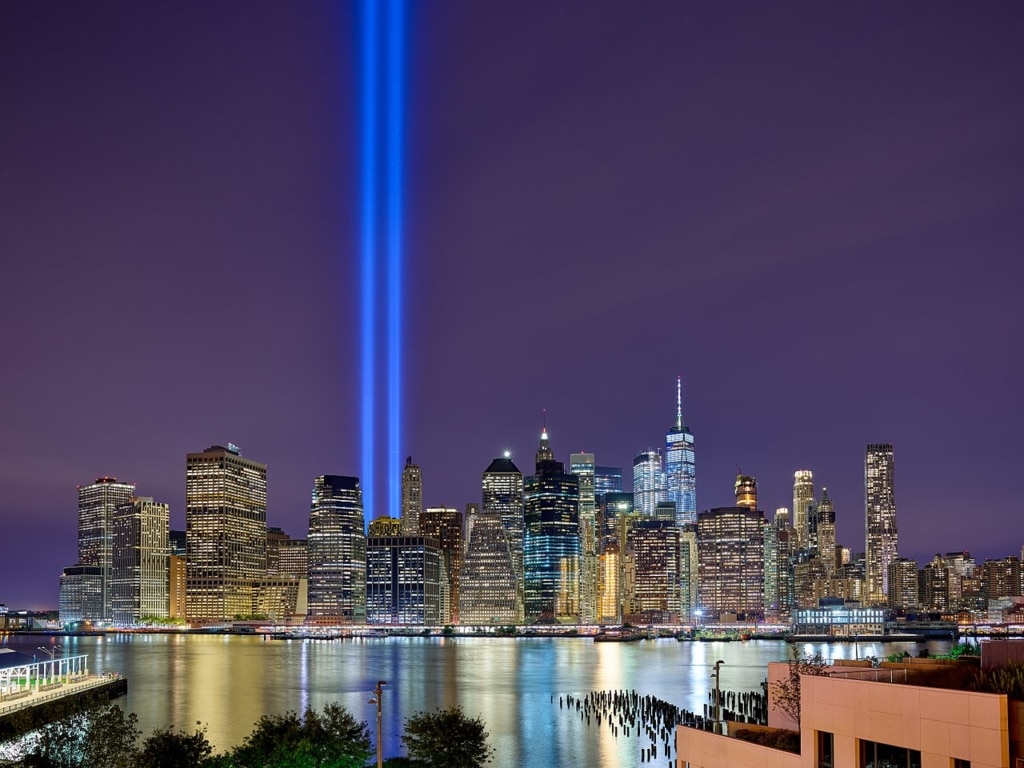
x: 381, y: 153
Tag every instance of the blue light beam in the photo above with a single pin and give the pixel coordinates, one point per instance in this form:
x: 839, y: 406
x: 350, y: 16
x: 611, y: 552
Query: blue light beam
x: 395, y: 121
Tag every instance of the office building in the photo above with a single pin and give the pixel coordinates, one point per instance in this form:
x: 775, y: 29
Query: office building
x: 648, y: 481
x: 386, y: 526
x: 551, y: 540
x: 81, y: 595
x: 680, y: 470
x: 607, y: 480
x: 689, y: 574
x: 96, y: 506
x: 444, y: 525
x: 803, y: 498
x: 881, y: 539
x: 140, y: 562
x: 336, y: 549
x: 654, y: 547
x: 487, y: 594
x: 746, y: 491
x: 176, y: 587
x: 825, y: 528
x: 402, y: 581
x: 582, y: 465
x: 226, y: 532
x: 412, y: 498
x: 730, y: 551
x: 286, y: 555
x: 502, y: 487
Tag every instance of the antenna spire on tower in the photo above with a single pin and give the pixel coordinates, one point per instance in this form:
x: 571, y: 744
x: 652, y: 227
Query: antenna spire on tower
x: 679, y: 402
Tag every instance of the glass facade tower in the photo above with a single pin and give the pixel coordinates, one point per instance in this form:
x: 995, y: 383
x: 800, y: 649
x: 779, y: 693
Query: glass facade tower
x: 336, y: 551
x: 97, y: 503
x: 648, y: 481
x: 881, y: 540
x: 583, y: 467
x: 680, y: 470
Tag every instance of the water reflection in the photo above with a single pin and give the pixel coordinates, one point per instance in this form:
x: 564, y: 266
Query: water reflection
x: 228, y: 683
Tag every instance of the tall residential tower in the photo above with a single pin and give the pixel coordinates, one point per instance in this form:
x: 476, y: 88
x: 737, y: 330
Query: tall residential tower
x: 881, y: 540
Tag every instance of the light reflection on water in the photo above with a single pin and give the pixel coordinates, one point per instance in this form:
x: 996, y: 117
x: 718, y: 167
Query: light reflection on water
x: 229, y: 682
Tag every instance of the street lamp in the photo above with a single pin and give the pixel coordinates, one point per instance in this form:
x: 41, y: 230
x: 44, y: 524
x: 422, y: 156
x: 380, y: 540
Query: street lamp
x: 376, y: 700
x: 51, y: 653
x: 717, y: 674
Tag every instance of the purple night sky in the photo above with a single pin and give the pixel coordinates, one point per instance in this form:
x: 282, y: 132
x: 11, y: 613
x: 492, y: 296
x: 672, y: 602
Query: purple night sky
x: 813, y: 212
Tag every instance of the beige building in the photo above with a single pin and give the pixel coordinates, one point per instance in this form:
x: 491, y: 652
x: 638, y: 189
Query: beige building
x: 848, y: 722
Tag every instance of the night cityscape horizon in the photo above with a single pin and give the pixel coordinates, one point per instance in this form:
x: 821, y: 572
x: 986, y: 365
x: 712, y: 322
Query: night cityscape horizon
x: 812, y: 217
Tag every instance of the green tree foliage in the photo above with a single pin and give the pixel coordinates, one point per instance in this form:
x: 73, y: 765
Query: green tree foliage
x: 787, y: 691
x: 101, y: 737
x: 171, y: 748
x: 447, y: 738
x: 331, y: 738
x: 1008, y: 680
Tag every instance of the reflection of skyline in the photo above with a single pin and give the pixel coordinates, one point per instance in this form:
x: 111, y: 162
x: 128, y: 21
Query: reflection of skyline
x: 228, y: 683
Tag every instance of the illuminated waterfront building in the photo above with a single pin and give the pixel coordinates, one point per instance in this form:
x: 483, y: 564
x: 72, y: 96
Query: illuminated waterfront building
x: 444, y: 524
x: 583, y: 467
x: 746, y: 491
x: 337, y: 551
x: 96, y: 506
x: 226, y: 532
x: 286, y: 555
x: 730, y: 550
x: 648, y: 481
x: 881, y: 538
x: 551, y: 540
x: 402, y: 580
x: 1001, y: 578
x: 176, y: 586
x: 502, y: 487
x: 689, y: 574
x: 803, y: 498
x: 654, y: 555
x: 680, y: 470
x: 488, y: 590
x: 140, y: 561
x: 386, y: 526
x: 81, y: 594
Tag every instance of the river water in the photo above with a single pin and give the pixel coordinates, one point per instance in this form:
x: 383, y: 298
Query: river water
x: 514, y: 684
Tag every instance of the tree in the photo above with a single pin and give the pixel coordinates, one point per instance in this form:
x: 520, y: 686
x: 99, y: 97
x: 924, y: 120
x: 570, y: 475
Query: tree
x: 447, y: 738
x: 85, y: 736
x: 787, y: 691
x: 331, y: 738
x: 170, y: 748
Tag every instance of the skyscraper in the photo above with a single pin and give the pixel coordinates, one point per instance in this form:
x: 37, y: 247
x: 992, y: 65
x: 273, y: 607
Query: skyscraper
x: 402, y: 580
x: 551, y: 541
x: 488, y: 592
x: 336, y: 550
x: 730, y: 549
x: 654, y: 549
x: 444, y: 525
x: 96, y: 506
x: 803, y: 498
x: 502, y: 487
x: 648, y: 481
x: 827, y: 533
x: 412, y: 498
x: 226, y: 532
x: 140, y: 561
x: 583, y: 467
x: 615, y: 514
x: 746, y: 491
x: 680, y: 470
x: 881, y: 545
x: 609, y: 480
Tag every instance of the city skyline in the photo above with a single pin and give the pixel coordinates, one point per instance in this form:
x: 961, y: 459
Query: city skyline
x: 810, y: 214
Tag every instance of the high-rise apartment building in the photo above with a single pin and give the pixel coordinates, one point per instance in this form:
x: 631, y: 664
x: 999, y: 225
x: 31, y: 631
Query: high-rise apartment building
x: 803, y: 498
x: 444, y: 525
x: 615, y: 515
x: 412, y: 498
x: 336, y: 549
x: 655, y: 582
x: 582, y: 465
x: 746, y: 491
x: 226, y: 532
x: 648, y: 481
x: 680, y: 470
x: 402, y: 580
x: 488, y: 595
x: 881, y: 539
x: 502, y: 487
x: 730, y: 550
x: 140, y: 561
x: 97, y: 503
x: 551, y: 541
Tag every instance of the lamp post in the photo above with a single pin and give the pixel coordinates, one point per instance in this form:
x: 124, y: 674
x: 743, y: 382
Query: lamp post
x: 376, y: 700
x: 51, y: 653
x: 717, y: 674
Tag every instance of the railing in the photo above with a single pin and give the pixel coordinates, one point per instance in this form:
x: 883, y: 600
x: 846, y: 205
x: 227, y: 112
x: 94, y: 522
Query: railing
x: 873, y: 674
x: 31, y: 699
